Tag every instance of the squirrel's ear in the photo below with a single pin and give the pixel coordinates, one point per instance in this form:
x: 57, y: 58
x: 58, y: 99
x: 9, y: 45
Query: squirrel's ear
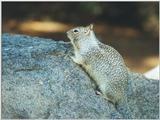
x: 91, y: 26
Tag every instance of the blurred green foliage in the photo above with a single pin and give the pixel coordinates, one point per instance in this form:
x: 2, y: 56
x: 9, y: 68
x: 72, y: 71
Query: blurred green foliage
x: 131, y: 27
x: 134, y: 14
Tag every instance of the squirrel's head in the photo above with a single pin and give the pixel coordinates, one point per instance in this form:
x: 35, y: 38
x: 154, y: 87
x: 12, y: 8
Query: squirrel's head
x: 80, y: 33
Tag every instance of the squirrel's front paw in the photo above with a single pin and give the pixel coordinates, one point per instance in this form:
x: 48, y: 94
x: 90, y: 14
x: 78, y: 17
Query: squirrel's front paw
x: 73, y: 58
x: 76, y: 60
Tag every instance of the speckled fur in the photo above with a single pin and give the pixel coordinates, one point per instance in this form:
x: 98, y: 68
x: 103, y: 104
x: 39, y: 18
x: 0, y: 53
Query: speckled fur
x: 102, y: 62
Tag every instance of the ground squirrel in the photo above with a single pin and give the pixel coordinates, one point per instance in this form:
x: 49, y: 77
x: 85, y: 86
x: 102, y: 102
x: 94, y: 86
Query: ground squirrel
x: 102, y: 62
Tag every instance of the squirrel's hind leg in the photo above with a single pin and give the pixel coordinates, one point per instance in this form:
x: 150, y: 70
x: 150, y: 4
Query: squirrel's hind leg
x: 107, y: 97
x: 110, y: 99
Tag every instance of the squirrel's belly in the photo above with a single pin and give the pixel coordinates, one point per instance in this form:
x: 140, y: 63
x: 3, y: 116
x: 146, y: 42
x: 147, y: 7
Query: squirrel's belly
x: 106, y: 83
x: 111, y: 79
x: 96, y: 72
x: 105, y: 73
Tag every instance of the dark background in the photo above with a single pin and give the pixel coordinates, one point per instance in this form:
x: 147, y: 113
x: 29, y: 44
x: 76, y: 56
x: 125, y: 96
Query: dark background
x: 131, y: 27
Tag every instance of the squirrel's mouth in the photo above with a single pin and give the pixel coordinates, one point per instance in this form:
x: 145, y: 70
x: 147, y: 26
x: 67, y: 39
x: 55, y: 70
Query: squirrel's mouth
x: 68, y: 35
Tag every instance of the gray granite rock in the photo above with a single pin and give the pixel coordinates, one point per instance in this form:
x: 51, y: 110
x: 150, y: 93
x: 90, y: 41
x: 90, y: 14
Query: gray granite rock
x: 39, y: 80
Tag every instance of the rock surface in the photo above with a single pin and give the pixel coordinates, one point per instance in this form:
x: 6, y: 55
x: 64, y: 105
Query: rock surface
x: 39, y: 80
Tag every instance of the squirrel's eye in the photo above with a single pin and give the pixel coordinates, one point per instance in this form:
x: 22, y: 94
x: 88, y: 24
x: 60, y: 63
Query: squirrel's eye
x: 75, y: 31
